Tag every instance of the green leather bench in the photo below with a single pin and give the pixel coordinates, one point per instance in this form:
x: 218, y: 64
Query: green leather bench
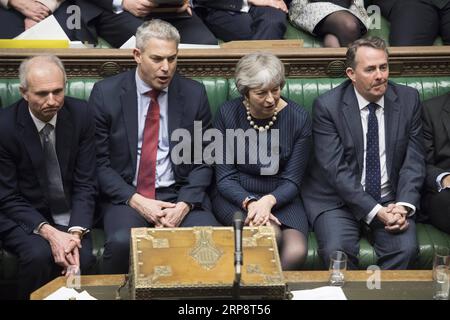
x: 303, y: 91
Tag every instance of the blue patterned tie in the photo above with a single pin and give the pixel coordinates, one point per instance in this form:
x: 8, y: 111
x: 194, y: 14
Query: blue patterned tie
x: 373, y: 175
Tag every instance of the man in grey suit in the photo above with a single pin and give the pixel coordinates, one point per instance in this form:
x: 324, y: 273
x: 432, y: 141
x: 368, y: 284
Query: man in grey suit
x: 369, y: 162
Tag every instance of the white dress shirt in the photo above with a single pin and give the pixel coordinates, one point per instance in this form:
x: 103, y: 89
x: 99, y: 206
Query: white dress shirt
x: 164, y: 174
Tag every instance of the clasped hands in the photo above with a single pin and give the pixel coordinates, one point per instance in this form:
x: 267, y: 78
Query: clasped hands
x: 142, y: 8
x: 160, y: 213
x: 394, y: 217
x: 65, y: 248
x: 260, y: 212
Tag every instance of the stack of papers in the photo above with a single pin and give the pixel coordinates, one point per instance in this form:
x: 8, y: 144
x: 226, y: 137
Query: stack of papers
x: 69, y: 294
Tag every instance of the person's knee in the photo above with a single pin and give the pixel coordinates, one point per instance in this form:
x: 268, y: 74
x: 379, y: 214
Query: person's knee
x: 408, y: 252
x: 351, y: 27
x: 273, y: 18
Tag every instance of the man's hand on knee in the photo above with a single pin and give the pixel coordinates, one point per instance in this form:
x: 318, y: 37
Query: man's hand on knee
x: 150, y: 209
x: 138, y: 8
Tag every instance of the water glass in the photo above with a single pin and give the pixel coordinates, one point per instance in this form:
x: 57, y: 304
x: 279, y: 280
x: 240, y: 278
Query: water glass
x: 338, y: 266
x: 441, y: 258
x: 441, y: 283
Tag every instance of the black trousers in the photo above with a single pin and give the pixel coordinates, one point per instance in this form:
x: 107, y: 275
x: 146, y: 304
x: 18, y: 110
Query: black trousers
x: 418, y: 23
x: 116, y: 29
x: 36, y: 263
x: 260, y: 23
x: 119, y: 219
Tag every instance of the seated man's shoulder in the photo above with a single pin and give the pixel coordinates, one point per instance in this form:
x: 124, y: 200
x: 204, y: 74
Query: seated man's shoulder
x: 437, y: 102
x: 76, y: 106
x: 75, y: 101
x: 116, y: 80
x: 335, y: 94
x: 188, y: 83
x: 403, y: 89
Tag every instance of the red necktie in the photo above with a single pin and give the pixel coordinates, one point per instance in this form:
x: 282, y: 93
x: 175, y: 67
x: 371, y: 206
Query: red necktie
x: 149, y: 149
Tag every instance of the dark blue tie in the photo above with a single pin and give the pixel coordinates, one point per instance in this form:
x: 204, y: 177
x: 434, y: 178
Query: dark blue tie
x: 373, y: 175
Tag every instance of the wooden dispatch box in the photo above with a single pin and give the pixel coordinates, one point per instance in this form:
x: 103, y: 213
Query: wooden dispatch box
x: 184, y: 263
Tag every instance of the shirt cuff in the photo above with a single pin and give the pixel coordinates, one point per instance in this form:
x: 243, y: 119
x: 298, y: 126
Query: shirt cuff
x: 406, y: 204
x: 77, y: 228
x: 439, y: 181
x: 368, y: 219
x: 245, y: 6
x: 38, y: 228
x: 117, y: 6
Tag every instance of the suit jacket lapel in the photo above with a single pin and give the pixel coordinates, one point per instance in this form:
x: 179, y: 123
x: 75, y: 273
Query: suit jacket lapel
x: 63, y: 136
x: 352, y: 116
x: 446, y: 115
x: 391, y: 120
x: 31, y: 140
x: 128, y: 100
x: 175, y: 106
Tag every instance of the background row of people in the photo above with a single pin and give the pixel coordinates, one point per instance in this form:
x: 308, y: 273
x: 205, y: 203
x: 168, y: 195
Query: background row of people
x: 337, y: 22
x: 61, y: 160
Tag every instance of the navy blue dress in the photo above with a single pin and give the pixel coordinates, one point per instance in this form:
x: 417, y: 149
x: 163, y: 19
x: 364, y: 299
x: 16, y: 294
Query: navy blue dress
x: 236, y: 180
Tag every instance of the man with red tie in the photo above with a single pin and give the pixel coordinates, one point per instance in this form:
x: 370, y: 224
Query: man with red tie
x: 136, y: 113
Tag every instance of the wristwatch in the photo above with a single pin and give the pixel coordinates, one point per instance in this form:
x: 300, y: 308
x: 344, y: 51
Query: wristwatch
x: 247, y: 201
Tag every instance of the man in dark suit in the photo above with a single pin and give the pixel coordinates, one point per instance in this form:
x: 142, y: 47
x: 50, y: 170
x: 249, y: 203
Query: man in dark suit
x: 116, y: 21
x: 47, y: 176
x: 244, y: 20
x: 369, y: 162
x: 436, y: 129
x: 136, y: 114
x: 431, y: 18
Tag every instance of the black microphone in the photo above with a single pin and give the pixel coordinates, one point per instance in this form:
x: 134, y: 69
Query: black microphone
x: 238, y: 225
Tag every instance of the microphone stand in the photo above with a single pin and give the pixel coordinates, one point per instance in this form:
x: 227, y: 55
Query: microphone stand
x: 238, y: 224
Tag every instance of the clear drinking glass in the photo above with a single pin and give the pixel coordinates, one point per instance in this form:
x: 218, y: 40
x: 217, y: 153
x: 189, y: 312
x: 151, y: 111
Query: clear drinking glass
x: 441, y: 258
x: 338, y: 266
x: 441, y: 283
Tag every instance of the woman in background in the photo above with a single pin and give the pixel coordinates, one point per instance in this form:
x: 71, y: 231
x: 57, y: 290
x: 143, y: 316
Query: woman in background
x: 339, y: 22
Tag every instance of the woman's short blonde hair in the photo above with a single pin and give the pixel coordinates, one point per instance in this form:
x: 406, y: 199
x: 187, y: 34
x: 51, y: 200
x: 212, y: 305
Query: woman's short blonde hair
x: 259, y: 70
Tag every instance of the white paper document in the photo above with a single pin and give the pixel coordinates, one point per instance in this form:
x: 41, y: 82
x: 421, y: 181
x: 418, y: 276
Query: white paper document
x: 322, y: 293
x: 64, y: 293
x: 47, y: 29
